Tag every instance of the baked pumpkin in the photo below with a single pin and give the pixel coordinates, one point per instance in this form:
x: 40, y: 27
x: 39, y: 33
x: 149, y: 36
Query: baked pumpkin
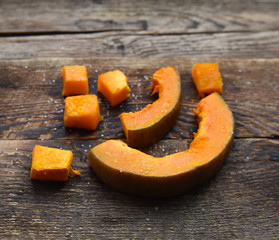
x: 132, y: 171
x: 154, y: 121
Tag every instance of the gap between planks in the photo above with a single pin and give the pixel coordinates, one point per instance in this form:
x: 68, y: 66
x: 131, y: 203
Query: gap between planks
x: 125, y: 32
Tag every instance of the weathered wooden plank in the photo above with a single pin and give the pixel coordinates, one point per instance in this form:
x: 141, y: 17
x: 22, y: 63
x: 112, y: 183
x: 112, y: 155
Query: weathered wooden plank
x: 129, y: 44
x: 241, y: 202
x: 150, y: 16
x: 32, y: 105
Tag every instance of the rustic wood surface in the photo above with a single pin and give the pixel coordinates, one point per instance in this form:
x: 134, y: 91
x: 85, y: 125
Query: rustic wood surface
x: 130, y: 44
x: 37, y: 38
x: 177, y: 16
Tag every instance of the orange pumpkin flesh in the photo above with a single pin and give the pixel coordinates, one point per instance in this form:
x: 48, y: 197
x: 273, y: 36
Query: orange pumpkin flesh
x: 75, y: 80
x: 151, y: 123
x: 114, y: 86
x: 82, y: 112
x: 132, y: 171
x: 207, y: 78
x: 52, y: 164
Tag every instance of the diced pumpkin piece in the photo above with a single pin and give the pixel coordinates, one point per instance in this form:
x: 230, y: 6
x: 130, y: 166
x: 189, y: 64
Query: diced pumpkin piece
x: 207, y: 78
x: 114, y: 86
x: 75, y: 81
x: 52, y: 164
x: 82, y: 112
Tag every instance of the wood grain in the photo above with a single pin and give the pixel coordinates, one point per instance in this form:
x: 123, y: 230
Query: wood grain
x: 129, y: 44
x: 37, y: 38
x: 32, y: 105
x: 149, y: 16
x: 241, y: 202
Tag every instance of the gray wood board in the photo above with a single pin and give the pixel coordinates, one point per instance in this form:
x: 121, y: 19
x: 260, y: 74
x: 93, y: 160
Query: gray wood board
x: 26, y: 17
x: 129, y: 44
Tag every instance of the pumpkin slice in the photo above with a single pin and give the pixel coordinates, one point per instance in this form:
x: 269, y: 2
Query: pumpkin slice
x: 151, y: 123
x: 132, y: 171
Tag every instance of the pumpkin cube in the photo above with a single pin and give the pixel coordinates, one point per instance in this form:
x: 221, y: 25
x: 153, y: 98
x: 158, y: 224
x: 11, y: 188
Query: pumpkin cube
x: 114, y: 86
x: 82, y: 112
x: 75, y: 80
x: 52, y: 164
x: 207, y: 78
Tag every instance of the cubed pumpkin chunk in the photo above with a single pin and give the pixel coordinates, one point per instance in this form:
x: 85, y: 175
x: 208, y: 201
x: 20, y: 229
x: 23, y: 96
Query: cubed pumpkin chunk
x: 52, y: 164
x: 207, y: 78
x: 114, y: 86
x: 75, y: 81
x: 82, y: 112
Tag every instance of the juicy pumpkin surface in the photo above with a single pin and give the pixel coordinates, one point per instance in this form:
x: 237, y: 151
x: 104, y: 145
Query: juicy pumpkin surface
x: 151, y: 123
x: 132, y: 171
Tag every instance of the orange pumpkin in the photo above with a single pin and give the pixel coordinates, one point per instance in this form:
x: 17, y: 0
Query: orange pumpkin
x: 132, y: 171
x: 153, y: 122
x: 75, y: 81
x: 52, y: 164
x: 82, y: 112
x: 207, y: 78
x: 114, y: 86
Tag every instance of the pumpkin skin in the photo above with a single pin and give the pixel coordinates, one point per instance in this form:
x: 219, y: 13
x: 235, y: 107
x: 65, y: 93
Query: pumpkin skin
x: 132, y: 171
x: 153, y: 122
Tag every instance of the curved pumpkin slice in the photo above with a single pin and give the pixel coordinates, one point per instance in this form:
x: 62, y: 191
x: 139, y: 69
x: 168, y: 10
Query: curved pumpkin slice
x: 151, y: 123
x: 132, y: 171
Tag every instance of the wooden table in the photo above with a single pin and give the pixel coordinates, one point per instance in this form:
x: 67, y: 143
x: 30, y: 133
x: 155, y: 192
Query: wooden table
x: 37, y: 38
